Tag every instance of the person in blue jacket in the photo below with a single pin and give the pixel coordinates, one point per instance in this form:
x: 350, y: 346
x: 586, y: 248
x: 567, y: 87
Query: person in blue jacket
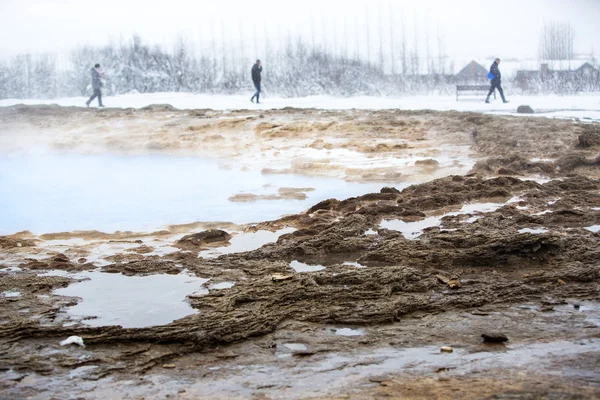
x: 496, y: 81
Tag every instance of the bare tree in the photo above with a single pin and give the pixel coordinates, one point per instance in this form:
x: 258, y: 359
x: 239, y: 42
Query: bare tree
x: 428, y: 49
x: 392, y: 53
x: 415, y: 57
x: 368, y: 34
x: 556, y: 41
x: 403, y: 47
x: 441, y: 67
x: 381, y: 55
x: 312, y: 31
x: 357, y: 33
x: 224, y: 52
x: 346, y: 52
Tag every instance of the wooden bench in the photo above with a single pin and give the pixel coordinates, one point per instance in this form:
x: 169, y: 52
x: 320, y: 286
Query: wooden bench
x: 473, y: 88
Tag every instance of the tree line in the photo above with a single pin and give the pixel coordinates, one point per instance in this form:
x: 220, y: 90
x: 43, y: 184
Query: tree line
x: 296, y: 69
x: 392, y: 64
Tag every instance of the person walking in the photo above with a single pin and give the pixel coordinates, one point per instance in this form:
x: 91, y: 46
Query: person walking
x: 256, y: 71
x: 96, y: 85
x: 496, y: 82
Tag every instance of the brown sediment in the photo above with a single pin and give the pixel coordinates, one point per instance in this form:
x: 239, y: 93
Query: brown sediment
x: 503, y: 145
x: 452, y: 284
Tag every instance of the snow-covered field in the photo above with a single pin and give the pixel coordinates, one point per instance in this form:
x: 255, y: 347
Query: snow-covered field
x: 579, y: 106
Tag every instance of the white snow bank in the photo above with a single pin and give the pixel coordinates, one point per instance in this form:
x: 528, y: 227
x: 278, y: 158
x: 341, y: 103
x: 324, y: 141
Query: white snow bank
x: 546, y: 104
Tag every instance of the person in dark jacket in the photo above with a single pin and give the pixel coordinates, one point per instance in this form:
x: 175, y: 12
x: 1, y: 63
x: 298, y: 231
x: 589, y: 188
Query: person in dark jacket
x: 496, y: 81
x: 96, y: 85
x: 256, y: 71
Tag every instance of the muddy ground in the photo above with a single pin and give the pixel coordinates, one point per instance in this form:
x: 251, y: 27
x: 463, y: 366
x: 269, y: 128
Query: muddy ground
x: 371, y: 323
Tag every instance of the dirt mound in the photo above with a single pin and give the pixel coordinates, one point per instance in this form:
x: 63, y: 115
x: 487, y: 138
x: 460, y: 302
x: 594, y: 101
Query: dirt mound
x: 159, y: 107
x: 7, y: 242
x: 199, y: 239
x: 590, y: 137
x: 515, y: 165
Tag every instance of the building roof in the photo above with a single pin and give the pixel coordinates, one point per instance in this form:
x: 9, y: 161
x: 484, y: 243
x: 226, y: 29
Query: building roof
x: 473, y: 71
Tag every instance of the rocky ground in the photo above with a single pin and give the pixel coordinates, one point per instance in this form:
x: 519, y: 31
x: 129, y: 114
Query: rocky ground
x: 371, y: 323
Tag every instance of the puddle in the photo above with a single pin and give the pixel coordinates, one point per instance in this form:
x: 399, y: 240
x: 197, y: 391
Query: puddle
x: 295, y: 346
x: 11, y: 294
x: 534, y: 231
x: 58, y: 272
x: 591, y: 311
x: 354, y: 264
x: 593, y: 228
x: 302, y: 267
x: 65, y: 192
x: 11, y: 269
x: 329, y: 373
x: 371, y: 232
x: 412, y: 230
x: 131, y: 301
x: 246, y: 242
x: 222, y: 285
x: 82, y: 371
x: 349, y: 332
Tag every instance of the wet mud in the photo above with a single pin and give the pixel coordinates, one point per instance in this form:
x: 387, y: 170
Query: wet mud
x: 502, y: 255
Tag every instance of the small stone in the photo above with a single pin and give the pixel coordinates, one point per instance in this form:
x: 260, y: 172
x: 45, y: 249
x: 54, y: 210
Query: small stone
x: 446, y: 349
x: 494, y: 337
x: 168, y: 366
x: 277, y: 277
x: 576, y: 306
x: 454, y: 283
x: 525, y: 110
x: 181, y: 391
x: 560, y: 282
x: 379, y: 379
x: 19, y: 244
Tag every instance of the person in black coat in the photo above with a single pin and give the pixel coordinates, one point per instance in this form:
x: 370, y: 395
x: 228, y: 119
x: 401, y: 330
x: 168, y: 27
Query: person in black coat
x: 256, y: 71
x: 96, y: 85
x: 496, y: 81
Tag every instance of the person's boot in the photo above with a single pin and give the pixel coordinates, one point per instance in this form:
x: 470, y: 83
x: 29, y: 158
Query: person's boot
x: 87, y: 104
x: 505, y: 101
x: 487, y: 99
x: 252, y: 99
x: 257, y: 102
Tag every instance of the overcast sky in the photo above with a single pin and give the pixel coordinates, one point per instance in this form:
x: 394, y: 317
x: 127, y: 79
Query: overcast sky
x: 468, y: 28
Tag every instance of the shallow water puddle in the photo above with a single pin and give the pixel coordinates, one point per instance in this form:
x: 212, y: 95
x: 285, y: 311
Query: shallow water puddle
x: 325, y: 374
x: 354, y: 264
x: 11, y: 294
x: 593, y: 228
x: 412, y: 230
x: 590, y: 310
x: 534, y: 231
x: 246, y: 242
x: 131, y: 301
x: 222, y: 285
x: 65, y: 192
x: 349, y: 332
x: 295, y: 346
x: 302, y: 267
